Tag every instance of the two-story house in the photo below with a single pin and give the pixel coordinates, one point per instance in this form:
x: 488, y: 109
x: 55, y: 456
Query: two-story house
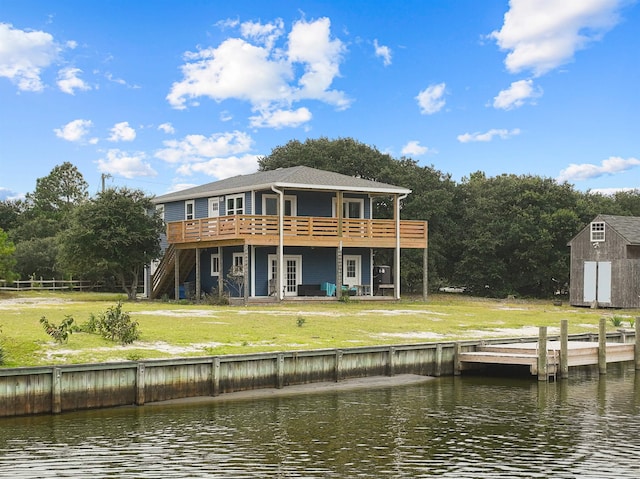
x: 282, y: 233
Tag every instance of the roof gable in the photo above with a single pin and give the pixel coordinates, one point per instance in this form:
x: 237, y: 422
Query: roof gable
x: 628, y: 227
x: 296, y: 177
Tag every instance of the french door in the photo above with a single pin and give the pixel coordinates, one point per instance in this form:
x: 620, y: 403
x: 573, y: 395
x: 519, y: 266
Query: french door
x: 292, y: 273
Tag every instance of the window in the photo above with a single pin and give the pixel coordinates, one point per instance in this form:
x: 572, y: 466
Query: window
x: 237, y: 265
x: 189, y: 210
x: 214, y: 207
x: 235, y: 205
x: 597, y: 231
x: 215, y: 264
x: 351, y: 208
x: 270, y: 205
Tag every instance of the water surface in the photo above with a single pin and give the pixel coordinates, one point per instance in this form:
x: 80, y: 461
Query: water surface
x: 469, y: 427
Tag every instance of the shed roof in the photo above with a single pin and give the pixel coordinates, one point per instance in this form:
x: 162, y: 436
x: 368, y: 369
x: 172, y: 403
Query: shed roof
x: 296, y: 177
x: 626, y: 226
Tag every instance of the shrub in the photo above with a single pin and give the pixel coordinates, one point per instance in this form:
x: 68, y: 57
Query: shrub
x: 116, y: 325
x: 616, y: 321
x: 60, y: 332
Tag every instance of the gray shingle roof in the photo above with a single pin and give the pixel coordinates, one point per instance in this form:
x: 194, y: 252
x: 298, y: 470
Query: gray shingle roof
x: 296, y: 177
x: 626, y: 226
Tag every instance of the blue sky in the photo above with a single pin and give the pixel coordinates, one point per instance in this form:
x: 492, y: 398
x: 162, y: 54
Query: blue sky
x: 163, y: 95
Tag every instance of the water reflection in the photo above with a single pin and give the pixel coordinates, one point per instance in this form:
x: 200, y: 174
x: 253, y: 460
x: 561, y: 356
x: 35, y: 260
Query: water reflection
x: 470, y: 427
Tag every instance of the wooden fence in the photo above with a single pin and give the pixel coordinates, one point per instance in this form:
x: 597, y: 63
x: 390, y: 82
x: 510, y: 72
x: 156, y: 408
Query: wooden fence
x: 47, y: 285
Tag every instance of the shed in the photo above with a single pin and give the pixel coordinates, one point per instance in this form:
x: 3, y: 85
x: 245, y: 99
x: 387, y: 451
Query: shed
x: 605, y: 263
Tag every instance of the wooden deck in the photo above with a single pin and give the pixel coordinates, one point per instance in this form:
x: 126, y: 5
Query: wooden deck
x: 579, y: 353
x: 298, y: 231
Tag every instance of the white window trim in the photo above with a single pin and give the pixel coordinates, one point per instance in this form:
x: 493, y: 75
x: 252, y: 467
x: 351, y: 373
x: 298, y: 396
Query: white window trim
x: 193, y: 209
x: 214, y: 212
x: 597, y: 235
x: 292, y: 198
x: 215, y: 261
x: 345, y: 201
x: 235, y: 210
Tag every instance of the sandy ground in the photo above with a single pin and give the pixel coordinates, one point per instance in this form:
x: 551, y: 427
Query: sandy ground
x: 172, y: 350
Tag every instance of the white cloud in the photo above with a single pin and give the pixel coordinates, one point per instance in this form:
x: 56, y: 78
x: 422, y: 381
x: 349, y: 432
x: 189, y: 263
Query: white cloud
x: 611, y: 191
x: 414, y: 148
x: 24, y: 54
x: 383, y: 52
x: 541, y: 35
x: 222, y: 167
x: 587, y: 171
x: 68, y: 80
x: 281, y: 118
x: 220, y: 73
x: 430, y: 99
x: 8, y: 195
x: 198, y: 148
x: 263, y: 33
x: 122, y: 132
x: 516, y: 95
x: 75, y: 130
x: 167, y: 128
x: 118, y: 162
x: 488, y: 136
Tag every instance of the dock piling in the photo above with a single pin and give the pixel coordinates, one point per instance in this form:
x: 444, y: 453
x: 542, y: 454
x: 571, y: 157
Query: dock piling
x: 542, y: 354
x: 564, y: 349
x: 602, y: 346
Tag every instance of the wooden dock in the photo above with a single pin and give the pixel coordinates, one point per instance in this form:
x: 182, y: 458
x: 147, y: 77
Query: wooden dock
x: 547, y: 359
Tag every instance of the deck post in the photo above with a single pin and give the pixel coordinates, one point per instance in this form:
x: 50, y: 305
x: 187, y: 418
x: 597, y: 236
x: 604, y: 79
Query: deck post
x: 637, y: 344
x: 176, y: 276
x: 339, y: 271
x: 564, y: 349
x: 602, y: 346
x: 245, y: 272
x: 425, y: 274
x: 198, y: 279
x: 542, y: 354
x: 220, y: 274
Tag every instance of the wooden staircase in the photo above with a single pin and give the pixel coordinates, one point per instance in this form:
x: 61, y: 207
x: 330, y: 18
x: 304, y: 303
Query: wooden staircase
x: 163, y: 279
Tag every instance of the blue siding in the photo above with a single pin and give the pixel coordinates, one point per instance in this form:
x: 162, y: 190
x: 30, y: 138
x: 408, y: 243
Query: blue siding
x: 202, y: 208
x: 314, y: 203
x: 174, y: 211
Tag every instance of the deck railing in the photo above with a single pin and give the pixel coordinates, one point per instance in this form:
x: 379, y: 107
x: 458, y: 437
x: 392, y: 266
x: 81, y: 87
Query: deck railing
x: 301, y: 227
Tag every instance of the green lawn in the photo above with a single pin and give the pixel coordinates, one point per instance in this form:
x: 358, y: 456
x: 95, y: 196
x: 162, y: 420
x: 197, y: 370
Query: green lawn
x: 180, y: 329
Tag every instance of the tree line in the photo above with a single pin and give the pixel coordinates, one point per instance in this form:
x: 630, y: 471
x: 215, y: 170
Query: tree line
x: 59, y: 232
x: 496, y: 236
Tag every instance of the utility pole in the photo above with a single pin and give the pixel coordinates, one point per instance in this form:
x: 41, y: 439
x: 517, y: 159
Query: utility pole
x: 104, y: 176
